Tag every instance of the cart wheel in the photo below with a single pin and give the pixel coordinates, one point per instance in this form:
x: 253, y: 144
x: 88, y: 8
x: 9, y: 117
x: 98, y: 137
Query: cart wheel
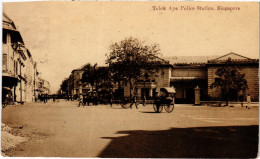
x: 169, y: 108
x: 157, y: 110
x: 125, y: 105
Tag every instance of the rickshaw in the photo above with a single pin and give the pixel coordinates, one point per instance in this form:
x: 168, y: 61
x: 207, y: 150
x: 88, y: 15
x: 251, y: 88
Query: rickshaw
x: 164, y: 99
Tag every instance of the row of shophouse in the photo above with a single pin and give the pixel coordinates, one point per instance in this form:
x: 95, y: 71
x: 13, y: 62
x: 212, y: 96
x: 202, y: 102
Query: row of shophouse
x: 185, y: 73
x: 20, y: 78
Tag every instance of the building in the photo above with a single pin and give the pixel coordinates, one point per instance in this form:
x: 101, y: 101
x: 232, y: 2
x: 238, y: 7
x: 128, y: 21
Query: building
x: 184, y: 73
x: 75, y: 87
x: 247, y: 66
x: 148, y: 87
x: 19, y: 70
x: 192, y: 71
x: 43, y: 86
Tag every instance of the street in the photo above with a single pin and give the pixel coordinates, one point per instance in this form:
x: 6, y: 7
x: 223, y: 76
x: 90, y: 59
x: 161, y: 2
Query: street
x: 61, y: 129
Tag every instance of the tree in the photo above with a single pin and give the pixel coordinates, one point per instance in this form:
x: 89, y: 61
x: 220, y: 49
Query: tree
x: 228, y: 78
x: 89, y: 75
x: 64, y: 86
x: 104, y: 80
x: 129, y: 57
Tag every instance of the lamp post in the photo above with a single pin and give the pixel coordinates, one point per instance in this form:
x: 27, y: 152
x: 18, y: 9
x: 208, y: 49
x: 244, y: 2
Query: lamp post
x: 131, y: 58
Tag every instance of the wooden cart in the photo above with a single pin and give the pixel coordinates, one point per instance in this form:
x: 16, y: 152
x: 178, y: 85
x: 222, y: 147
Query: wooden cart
x: 165, y: 98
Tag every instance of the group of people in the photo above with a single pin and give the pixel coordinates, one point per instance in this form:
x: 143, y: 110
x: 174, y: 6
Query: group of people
x: 45, y: 97
x: 91, y: 97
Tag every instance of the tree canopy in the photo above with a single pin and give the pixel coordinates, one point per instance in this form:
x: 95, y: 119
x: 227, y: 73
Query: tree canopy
x: 89, y: 75
x: 128, y: 58
x: 229, y: 77
x: 64, y: 86
x: 98, y: 77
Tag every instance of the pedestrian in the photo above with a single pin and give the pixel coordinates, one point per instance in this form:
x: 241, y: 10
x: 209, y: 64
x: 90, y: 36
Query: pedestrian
x: 44, y: 98
x: 53, y: 98
x: 81, y: 100
x: 144, y: 100
x: 111, y: 99
x: 248, y: 100
x: 84, y: 100
x: 134, y: 101
x: 95, y: 99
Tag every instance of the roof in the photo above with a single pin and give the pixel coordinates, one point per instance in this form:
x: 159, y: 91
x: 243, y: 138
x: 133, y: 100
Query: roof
x: 6, y: 18
x: 8, y: 24
x: 232, y: 56
x: 205, y: 59
x: 190, y: 59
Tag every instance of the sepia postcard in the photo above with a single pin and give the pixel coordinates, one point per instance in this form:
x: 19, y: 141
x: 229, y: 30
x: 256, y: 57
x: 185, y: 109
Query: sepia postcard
x: 132, y: 79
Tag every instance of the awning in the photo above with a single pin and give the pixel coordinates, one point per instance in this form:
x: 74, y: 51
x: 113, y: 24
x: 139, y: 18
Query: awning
x: 168, y: 89
x: 174, y: 79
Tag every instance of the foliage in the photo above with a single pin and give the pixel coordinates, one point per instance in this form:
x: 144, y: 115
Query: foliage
x: 128, y: 58
x: 228, y: 78
x: 64, y: 86
x: 89, y: 75
x: 97, y: 76
x: 104, y: 80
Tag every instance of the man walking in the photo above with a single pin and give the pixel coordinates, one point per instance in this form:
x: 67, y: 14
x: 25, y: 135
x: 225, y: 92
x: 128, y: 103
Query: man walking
x: 45, y: 98
x: 110, y: 99
x: 81, y: 100
x: 134, y: 101
x: 248, y: 100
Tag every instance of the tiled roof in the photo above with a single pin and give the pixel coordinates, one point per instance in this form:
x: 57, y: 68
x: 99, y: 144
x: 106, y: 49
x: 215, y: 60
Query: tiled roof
x: 6, y: 18
x: 189, y: 59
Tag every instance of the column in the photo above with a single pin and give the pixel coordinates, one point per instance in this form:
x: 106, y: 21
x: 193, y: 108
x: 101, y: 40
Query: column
x: 197, y: 95
x: 150, y: 92
x: 139, y: 93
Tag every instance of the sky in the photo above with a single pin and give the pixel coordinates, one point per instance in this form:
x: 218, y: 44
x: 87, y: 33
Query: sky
x: 63, y: 36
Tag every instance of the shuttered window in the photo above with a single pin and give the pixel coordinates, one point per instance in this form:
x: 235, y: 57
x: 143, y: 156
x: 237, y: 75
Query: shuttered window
x: 4, y: 64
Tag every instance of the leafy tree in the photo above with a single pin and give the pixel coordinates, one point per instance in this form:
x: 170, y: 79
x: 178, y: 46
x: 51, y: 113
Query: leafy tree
x: 129, y: 57
x: 229, y: 78
x: 89, y: 75
x: 64, y: 86
x: 104, y: 80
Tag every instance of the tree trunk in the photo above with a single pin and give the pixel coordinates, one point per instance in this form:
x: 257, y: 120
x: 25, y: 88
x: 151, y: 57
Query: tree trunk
x: 227, y: 97
x: 130, y: 86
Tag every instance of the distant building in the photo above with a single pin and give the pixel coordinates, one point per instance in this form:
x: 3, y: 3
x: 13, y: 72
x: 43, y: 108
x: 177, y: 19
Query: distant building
x: 43, y: 86
x: 149, y: 86
x: 191, y: 71
x: 75, y: 87
x: 19, y: 71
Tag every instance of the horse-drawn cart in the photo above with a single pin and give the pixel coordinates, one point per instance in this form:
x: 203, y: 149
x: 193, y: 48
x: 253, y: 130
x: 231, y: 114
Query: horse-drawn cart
x: 165, y: 99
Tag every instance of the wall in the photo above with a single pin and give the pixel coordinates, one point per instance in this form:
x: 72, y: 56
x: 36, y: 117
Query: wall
x: 161, y: 79
x: 251, y: 75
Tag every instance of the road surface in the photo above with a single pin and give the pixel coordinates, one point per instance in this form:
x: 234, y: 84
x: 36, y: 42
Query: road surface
x: 61, y: 129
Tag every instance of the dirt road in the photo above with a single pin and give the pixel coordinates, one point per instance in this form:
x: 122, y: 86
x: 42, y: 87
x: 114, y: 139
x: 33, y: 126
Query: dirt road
x: 61, y: 129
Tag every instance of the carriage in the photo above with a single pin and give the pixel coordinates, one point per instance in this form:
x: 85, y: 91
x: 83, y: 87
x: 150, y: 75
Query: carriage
x: 164, y: 99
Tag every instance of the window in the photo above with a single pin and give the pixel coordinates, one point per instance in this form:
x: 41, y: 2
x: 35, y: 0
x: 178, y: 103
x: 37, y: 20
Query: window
x: 4, y: 62
x: 16, y: 67
x: 4, y: 37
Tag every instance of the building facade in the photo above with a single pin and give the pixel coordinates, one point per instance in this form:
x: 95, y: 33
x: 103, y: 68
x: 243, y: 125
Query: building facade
x: 75, y: 87
x: 190, y: 72
x: 148, y: 87
x: 184, y: 73
x: 19, y: 70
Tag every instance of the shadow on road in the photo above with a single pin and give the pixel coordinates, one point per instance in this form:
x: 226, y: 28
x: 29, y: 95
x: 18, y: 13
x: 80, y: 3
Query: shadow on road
x: 152, y: 112
x: 197, y: 142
